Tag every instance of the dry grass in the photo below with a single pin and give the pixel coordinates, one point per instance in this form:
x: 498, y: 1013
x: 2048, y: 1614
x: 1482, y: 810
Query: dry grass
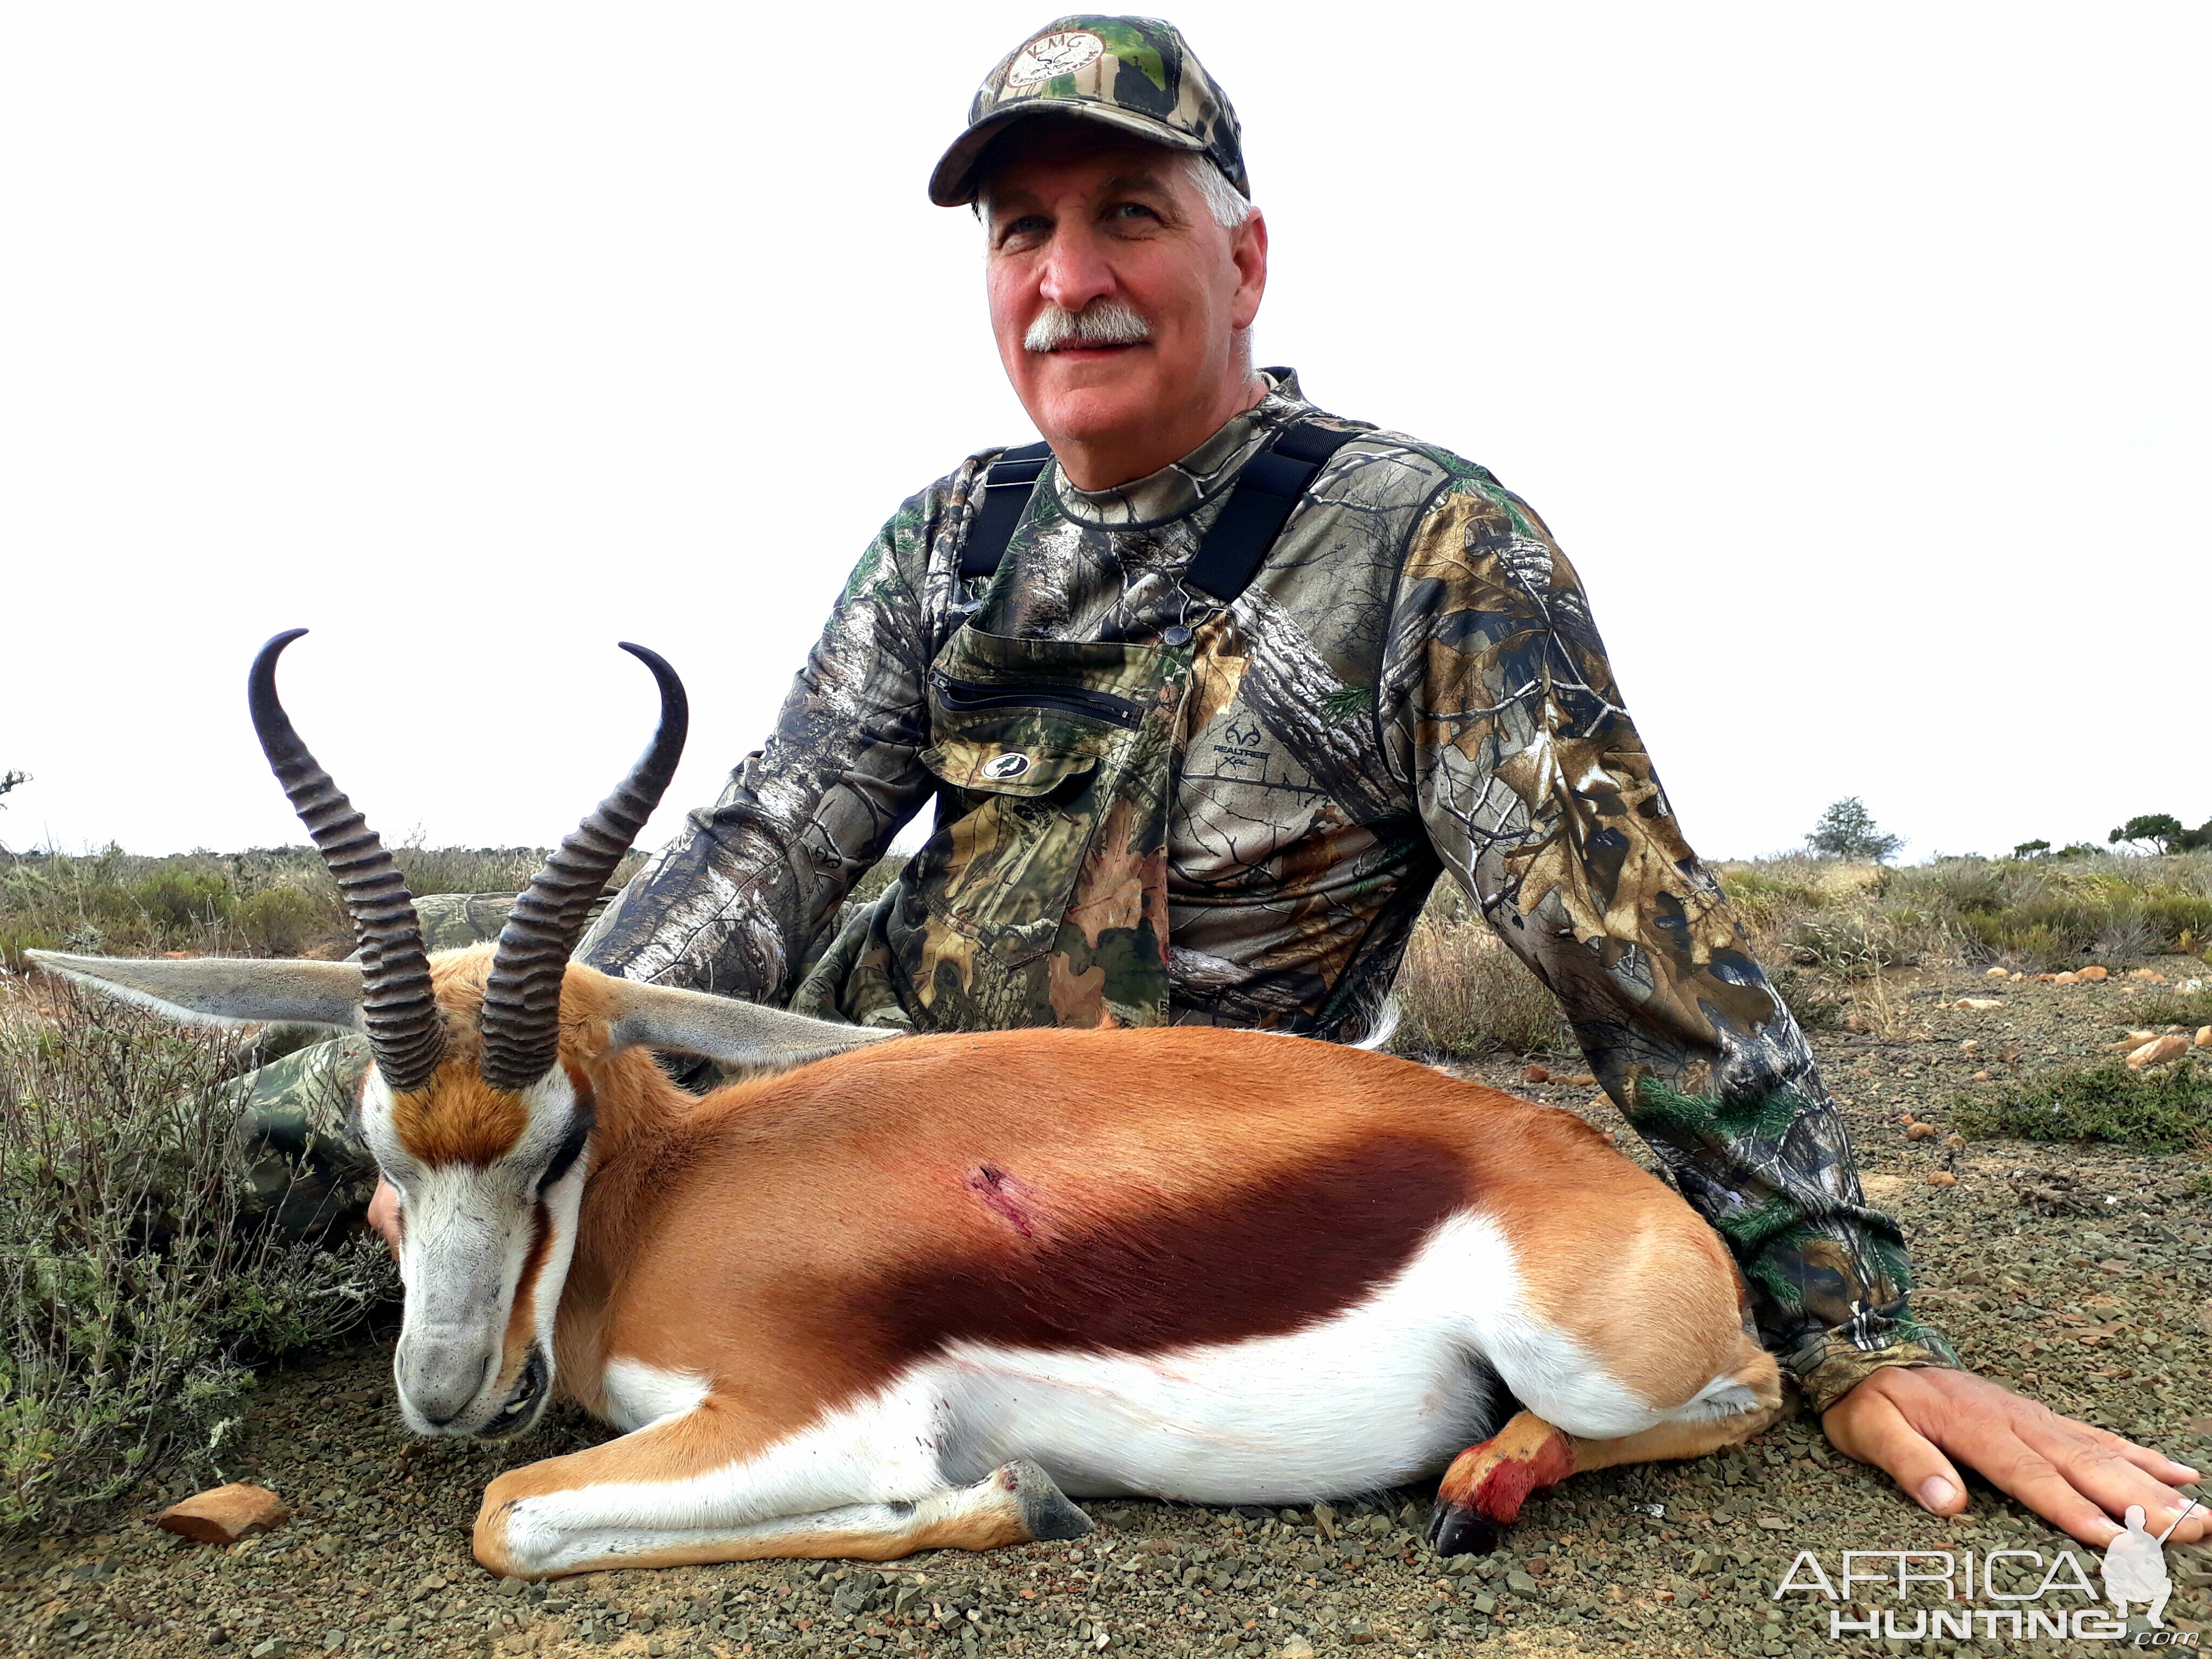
x: 1461, y: 992
x: 264, y: 902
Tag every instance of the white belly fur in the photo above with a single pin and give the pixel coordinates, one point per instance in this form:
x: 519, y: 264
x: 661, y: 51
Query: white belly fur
x: 1385, y: 1392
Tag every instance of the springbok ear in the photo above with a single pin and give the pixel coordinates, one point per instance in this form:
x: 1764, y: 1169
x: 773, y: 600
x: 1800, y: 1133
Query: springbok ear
x: 220, y: 990
x: 743, y: 1034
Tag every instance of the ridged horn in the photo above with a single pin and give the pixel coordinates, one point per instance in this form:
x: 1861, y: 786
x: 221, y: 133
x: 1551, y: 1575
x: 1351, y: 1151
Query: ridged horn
x: 522, y: 993
x: 406, y: 1033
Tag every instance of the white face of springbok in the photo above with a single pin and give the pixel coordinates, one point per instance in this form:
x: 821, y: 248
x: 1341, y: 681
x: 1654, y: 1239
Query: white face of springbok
x: 470, y: 1108
x: 489, y: 1204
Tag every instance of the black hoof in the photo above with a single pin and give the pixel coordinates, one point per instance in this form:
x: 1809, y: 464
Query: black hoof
x: 1050, y: 1518
x: 1454, y: 1530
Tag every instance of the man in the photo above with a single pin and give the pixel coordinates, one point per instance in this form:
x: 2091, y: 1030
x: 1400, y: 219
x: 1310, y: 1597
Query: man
x: 1209, y: 693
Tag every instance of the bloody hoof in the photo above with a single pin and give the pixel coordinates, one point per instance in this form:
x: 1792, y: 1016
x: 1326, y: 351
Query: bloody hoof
x: 1455, y: 1529
x: 1482, y: 1491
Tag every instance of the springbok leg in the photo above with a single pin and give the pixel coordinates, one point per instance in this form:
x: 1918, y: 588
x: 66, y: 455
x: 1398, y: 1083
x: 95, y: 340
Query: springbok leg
x: 1482, y: 1491
x: 699, y: 1486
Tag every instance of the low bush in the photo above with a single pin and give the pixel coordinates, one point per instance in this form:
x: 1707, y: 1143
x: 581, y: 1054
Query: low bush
x: 2171, y: 1008
x: 132, y: 1302
x: 2167, y: 1109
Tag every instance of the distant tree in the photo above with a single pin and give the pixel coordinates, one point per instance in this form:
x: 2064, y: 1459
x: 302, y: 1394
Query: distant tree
x: 9, y: 781
x: 2198, y: 840
x: 1847, y: 830
x: 2078, y: 849
x: 2031, y: 849
x: 2160, y: 830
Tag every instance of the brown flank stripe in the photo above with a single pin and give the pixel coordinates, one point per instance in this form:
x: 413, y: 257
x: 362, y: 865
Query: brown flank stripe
x: 1167, y: 1276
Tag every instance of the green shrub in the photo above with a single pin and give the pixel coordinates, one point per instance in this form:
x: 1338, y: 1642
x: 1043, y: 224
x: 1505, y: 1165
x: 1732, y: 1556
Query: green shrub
x: 132, y: 1303
x: 281, y: 921
x: 179, y: 900
x: 2167, y: 1109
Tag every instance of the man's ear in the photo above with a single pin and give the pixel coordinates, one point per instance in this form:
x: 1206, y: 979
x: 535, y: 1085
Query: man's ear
x: 220, y: 990
x: 740, y: 1034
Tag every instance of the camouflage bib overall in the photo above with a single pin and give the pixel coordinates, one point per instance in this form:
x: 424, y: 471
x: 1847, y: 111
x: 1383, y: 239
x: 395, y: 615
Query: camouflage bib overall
x: 1041, y: 899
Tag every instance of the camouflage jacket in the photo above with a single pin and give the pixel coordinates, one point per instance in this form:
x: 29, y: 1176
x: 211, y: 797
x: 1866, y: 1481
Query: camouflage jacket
x: 1412, y: 684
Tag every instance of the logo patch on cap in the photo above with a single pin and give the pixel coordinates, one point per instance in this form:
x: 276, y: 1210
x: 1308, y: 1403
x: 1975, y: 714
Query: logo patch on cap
x: 999, y: 768
x: 1050, y: 55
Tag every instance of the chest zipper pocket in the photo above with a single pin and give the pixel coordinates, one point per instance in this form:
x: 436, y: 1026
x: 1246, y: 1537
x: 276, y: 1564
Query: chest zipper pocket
x: 964, y: 696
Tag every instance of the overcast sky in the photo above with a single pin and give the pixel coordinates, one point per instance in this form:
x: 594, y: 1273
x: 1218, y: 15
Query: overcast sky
x: 1859, y: 357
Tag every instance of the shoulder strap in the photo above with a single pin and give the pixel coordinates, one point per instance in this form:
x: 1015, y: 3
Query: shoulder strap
x: 1258, y: 504
x: 1006, y: 488
x: 1271, y: 484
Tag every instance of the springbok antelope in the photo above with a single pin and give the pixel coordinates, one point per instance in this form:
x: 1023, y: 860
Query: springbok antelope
x: 881, y: 1297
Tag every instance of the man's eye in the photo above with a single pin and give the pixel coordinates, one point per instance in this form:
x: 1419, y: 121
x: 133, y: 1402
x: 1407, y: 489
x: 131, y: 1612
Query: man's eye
x: 1026, y: 228
x: 1128, y: 210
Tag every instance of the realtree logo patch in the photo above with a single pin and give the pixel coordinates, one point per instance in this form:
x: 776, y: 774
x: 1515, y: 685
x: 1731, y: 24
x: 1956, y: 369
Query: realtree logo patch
x: 1052, y: 55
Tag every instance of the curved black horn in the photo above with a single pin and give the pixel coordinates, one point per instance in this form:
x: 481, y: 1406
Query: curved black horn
x: 405, y: 1032
x: 522, y: 993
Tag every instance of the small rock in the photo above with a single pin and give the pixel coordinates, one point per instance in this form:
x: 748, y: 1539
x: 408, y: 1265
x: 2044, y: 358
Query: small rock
x: 1920, y: 1131
x: 224, y: 1515
x: 1325, y: 1519
x: 1522, y: 1584
x: 2058, y: 979
x: 1537, y: 1071
x: 2159, y: 1053
x: 1954, y: 1143
x: 1994, y: 973
x: 1981, y: 1076
x: 2090, y: 975
x: 2140, y: 1038
x: 1297, y: 1647
x: 1970, y: 1045
x: 2204, y: 1036
x: 2149, y: 975
x: 1941, y: 1178
x: 1981, y: 1005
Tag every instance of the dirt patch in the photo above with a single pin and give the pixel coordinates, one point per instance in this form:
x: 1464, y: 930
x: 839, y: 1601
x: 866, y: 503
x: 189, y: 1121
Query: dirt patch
x: 2079, y: 1273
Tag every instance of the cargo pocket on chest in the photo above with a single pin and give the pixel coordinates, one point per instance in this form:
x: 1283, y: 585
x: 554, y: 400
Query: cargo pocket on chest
x: 1002, y: 871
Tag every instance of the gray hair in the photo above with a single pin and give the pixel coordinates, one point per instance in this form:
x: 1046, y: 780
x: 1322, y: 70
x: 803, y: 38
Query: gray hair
x: 1223, y: 199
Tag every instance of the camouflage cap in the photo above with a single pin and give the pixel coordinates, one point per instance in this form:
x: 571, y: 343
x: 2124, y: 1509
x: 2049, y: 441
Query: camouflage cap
x: 1134, y: 73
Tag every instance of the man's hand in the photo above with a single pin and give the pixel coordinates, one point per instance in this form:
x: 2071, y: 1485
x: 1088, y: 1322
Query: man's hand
x: 384, y: 1215
x: 1914, y: 1422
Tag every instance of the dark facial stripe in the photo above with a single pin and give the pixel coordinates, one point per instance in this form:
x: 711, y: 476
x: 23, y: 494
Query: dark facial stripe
x: 521, y: 1319
x: 1180, y: 1276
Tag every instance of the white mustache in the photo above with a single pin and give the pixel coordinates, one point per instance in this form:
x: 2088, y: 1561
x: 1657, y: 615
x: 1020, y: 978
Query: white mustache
x: 1101, y: 323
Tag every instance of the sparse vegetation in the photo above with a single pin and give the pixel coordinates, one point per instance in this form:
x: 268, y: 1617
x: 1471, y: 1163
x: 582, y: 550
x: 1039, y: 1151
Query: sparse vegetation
x: 132, y: 1306
x: 265, y: 902
x: 1461, y: 992
x: 2179, y: 1008
x: 2167, y: 1109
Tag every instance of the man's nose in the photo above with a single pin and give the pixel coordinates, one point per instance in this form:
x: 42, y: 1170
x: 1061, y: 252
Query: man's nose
x: 1076, y: 270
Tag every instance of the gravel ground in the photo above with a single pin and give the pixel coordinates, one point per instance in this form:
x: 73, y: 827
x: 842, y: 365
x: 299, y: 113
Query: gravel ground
x: 2080, y: 1275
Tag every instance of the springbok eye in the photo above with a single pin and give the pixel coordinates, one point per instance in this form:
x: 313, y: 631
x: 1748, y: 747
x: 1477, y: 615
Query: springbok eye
x: 572, y: 1148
